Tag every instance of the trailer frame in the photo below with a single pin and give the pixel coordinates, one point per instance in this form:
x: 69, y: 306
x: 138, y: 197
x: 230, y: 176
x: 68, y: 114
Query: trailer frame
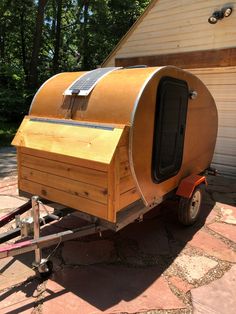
x: 134, y: 211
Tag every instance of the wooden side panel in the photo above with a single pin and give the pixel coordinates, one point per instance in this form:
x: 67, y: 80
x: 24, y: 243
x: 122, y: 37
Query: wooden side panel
x: 84, y: 163
x: 81, y: 188
x: 113, y: 188
x: 127, y: 189
x: 74, y: 187
x: 126, y: 183
x: 128, y: 198
x: 65, y: 170
x: 64, y: 198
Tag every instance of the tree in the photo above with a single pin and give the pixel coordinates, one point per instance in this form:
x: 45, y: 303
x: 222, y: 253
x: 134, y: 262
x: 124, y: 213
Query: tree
x: 33, y: 69
x: 57, y: 37
x: 85, y: 64
x: 44, y: 37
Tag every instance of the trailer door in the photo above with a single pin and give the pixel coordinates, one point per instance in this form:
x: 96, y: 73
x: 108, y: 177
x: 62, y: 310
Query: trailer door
x: 169, y: 130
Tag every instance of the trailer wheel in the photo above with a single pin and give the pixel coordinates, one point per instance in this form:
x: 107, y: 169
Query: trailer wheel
x: 189, y: 208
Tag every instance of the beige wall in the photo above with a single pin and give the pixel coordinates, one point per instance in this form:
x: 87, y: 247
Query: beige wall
x: 177, y: 26
x: 222, y: 84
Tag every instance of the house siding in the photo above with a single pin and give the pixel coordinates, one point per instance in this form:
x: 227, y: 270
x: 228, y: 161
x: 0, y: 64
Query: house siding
x: 178, y: 26
x: 182, y: 26
x: 222, y: 84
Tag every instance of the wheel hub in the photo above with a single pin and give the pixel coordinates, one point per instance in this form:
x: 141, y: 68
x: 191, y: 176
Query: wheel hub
x: 195, y: 204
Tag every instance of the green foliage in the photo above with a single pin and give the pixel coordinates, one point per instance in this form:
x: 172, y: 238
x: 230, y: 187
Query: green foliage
x: 13, y: 96
x: 73, y: 35
x: 7, y: 132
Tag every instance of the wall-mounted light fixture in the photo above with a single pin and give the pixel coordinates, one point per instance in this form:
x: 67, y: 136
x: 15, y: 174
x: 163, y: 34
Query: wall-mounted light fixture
x: 219, y: 15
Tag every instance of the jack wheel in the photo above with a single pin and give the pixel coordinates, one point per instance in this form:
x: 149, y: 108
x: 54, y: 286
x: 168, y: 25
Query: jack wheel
x: 190, y: 208
x: 45, y: 269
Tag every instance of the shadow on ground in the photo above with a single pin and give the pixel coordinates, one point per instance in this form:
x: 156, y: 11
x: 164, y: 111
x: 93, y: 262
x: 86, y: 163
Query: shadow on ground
x: 144, y: 251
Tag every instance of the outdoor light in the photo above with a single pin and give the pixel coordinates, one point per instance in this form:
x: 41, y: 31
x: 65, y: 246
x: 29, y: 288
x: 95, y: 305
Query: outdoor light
x: 219, y: 15
x: 227, y: 11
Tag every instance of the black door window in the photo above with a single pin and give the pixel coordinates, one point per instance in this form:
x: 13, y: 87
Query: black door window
x: 169, y: 129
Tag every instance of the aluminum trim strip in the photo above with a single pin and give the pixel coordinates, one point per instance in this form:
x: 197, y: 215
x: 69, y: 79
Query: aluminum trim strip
x: 73, y: 123
x: 132, y: 118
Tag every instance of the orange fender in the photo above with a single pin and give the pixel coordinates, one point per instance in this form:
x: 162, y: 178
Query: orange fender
x: 188, y: 184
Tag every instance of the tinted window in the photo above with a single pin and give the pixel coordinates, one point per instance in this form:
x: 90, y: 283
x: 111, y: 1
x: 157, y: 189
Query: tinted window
x: 170, y: 121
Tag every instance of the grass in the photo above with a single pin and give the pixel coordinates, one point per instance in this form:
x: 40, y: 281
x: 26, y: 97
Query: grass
x: 7, y: 132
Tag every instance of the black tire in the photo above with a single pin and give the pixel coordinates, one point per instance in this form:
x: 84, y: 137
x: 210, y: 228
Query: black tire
x: 190, y: 208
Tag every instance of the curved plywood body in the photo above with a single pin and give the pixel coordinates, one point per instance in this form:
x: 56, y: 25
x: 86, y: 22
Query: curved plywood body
x: 199, y: 140
x: 104, y: 141
x: 111, y: 101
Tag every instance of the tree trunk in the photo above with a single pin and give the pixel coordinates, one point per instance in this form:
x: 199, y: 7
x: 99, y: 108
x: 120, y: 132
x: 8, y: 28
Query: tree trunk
x: 2, y: 41
x: 54, y: 10
x: 33, y: 71
x: 85, y: 63
x: 57, y: 37
x: 3, y: 28
x: 22, y: 34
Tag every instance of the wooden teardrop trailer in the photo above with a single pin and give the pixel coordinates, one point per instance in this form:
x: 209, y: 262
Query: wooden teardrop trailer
x: 102, y: 140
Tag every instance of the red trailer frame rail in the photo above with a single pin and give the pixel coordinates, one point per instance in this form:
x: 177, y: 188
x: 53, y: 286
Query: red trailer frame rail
x: 18, y: 211
x: 134, y: 211
x: 46, y: 241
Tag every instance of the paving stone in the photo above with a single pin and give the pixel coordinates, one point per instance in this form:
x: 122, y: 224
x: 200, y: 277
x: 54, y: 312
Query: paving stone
x: 15, y: 270
x: 108, y: 289
x: 8, y: 163
x: 213, y: 246
x: 227, y: 231
x: 10, y: 190
x: 85, y: 253
x: 194, y: 267
x: 218, y: 297
x: 128, y: 252
x: 7, y: 181
x: 9, y: 186
x: 228, y: 213
x: 19, y: 299
x: 150, y: 236
x: 211, y: 217
x: 181, y: 284
x: 10, y: 202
